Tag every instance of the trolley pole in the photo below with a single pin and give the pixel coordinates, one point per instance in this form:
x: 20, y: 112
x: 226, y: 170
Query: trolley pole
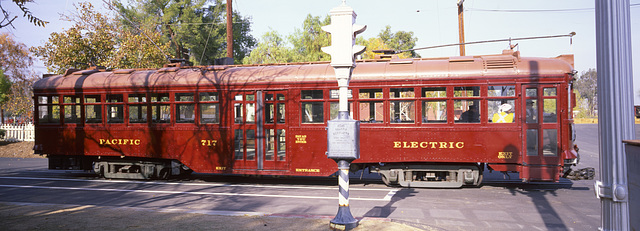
x: 343, y: 133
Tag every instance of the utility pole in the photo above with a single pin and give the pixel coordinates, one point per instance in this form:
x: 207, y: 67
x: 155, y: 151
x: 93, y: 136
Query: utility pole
x: 229, y: 30
x: 615, y: 101
x: 461, y: 26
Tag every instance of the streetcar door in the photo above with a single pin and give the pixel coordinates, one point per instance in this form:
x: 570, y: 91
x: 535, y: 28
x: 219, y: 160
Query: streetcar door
x: 260, y: 130
x: 245, y: 130
x: 274, y: 130
x: 541, y: 156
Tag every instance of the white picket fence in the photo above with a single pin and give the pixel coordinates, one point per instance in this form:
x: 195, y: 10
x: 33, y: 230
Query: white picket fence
x: 14, y: 133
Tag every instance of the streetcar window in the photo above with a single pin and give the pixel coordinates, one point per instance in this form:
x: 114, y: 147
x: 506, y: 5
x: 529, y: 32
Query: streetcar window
x: 532, y: 111
x: 550, y: 142
x: 282, y: 144
x: 335, y: 94
x: 281, y: 112
x: 137, y: 110
x: 467, y: 111
x: 72, y: 109
x: 185, y: 113
x: 434, y: 111
x: 137, y: 113
x: 311, y: 94
x: 532, y: 142
x: 237, y: 112
x: 160, y: 97
x: 402, y: 111
x: 334, y: 107
x: 532, y: 92
x: 160, y: 113
x: 496, y: 91
x: 114, y: 98
x: 371, y: 112
x: 208, y: 96
x: 48, y: 110
x: 434, y: 92
x: 370, y: 94
x: 209, y: 113
x: 269, y: 110
x: 251, y: 144
x: 251, y: 111
x: 466, y: 91
x: 549, y: 91
x: 549, y: 115
x: 115, y: 110
x: 501, y: 111
x: 137, y: 98
x: 312, y: 112
x: 238, y: 145
x: 93, y: 109
x: 401, y: 93
x: 270, y: 144
x: 184, y: 97
x: 276, y: 143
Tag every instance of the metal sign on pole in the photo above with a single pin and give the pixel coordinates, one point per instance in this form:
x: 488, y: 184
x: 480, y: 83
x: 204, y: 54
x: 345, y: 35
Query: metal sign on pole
x: 343, y: 133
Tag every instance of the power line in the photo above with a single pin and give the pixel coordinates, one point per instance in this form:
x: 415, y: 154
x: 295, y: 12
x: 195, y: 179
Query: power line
x: 490, y: 41
x: 537, y: 10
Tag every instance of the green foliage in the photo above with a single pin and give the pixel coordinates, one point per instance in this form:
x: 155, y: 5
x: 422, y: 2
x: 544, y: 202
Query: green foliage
x: 581, y: 107
x: 97, y: 39
x: 26, y: 13
x: 308, y: 41
x: 400, y: 40
x: 587, y: 87
x: 5, y: 88
x: 194, y: 32
x: 16, y: 78
x: 16, y: 60
x: 272, y: 49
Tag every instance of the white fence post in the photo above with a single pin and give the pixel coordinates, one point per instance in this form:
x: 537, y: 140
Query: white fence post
x: 15, y: 133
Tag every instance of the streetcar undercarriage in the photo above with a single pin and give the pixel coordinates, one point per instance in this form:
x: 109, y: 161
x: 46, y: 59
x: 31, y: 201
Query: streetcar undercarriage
x: 429, y: 175
x: 121, y: 168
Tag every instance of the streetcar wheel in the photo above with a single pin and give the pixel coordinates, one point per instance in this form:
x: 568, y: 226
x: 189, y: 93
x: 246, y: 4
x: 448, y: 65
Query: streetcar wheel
x: 101, y: 172
x: 386, y: 181
x: 164, y: 174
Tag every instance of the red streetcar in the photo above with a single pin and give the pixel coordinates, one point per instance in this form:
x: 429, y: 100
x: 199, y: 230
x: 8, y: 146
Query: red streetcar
x: 424, y: 122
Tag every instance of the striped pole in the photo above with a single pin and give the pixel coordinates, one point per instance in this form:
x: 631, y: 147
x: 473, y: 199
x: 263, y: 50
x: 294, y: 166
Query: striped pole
x: 343, y: 220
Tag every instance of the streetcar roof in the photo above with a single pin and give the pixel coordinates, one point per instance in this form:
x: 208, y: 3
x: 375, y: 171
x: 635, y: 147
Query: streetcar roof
x: 506, y: 64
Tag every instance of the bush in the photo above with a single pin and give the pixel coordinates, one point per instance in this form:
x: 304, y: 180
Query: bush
x: 2, y: 133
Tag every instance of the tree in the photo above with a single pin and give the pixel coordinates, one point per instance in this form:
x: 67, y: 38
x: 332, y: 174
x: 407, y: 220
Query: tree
x: 7, y: 20
x: 5, y: 91
x: 308, y: 41
x: 96, y: 39
x: 194, y: 32
x: 587, y: 86
x: 15, y: 98
x: 398, y: 41
x: 5, y: 88
x: 272, y: 49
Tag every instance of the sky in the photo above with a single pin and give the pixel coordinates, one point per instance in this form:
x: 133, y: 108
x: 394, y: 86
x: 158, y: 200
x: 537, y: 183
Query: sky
x: 433, y: 22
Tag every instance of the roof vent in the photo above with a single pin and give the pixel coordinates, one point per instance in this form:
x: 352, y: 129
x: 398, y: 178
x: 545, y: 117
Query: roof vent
x: 499, y: 62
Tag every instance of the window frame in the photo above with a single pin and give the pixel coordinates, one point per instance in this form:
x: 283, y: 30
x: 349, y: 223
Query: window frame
x: 200, y: 103
x: 314, y: 102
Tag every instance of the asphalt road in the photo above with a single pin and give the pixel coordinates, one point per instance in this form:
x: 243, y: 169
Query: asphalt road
x: 500, y: 204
